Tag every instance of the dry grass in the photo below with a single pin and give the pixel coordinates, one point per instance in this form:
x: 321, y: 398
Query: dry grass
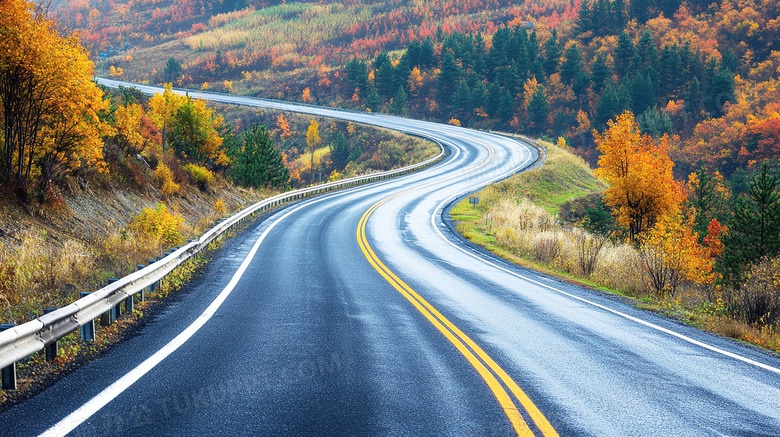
x: 37, y: 275
x: 279, y: 27
x: 523, y: 231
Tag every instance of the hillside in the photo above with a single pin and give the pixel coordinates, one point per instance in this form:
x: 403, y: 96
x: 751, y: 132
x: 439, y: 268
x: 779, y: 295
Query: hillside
x: 552, y: 68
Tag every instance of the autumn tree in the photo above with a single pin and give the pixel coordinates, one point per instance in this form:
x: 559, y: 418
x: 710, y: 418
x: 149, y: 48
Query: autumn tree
x: 671, y: 253
x: 50, y: 106
x: 639, y: 171
x: 129, y: 129
x: 284, y: 127
x: 195, y: 134
x: 191, y: 127
x: 312, y: 141
x: 306, y: 96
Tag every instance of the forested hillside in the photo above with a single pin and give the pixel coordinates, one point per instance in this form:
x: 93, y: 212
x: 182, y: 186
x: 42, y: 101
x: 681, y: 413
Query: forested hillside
x: 676, y: 102
x: 554, y: 68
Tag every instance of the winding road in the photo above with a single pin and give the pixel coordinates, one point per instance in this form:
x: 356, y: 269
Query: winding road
x: 361, y: 312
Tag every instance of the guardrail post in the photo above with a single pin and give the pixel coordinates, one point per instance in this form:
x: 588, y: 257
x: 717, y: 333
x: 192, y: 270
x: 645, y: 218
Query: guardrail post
x: 50, y: 351
x: 87, y: 329
x: 118, y: 307
x: 112, y: 314
x: 8, y: 372
x: 142, y: 295
x: 151, y: 287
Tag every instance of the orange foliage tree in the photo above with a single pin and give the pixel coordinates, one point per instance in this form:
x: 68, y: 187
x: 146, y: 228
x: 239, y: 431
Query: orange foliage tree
x: 642, y: 187
x: 50, y: 105
x: 306, y: 96
x: 284, y: 127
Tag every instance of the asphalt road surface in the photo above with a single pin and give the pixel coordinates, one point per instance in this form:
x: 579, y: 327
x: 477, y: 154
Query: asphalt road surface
x: 361, y: 313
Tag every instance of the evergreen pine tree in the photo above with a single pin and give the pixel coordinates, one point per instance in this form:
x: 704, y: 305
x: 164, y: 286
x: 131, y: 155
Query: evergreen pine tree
x: 401, y: 73
x: 624, y: 54
x: 340, y: 151
x: 693, y: 99
x: 617, y: 16
x: 572, y: 64
x: 478, y: 96
x: 600, y: 17
x: 729, y: 60
x: 374, y: 101
x: 538, y: 110
x: 647, y: 50
x: 449, y: 78
x: 584, y: 20
x: 532, y: 45
x: 670, y: 72
x: 357, y: 74
x: 600, y: 72
x: 259, y: 164
x: 461, y: 101
x: 580, y: 85
x: 400, y: 103
x: 755, y: 229
x: 505, y: 105
x: 613, y: 101
x: 383, y: 75
x: 493, y: 99
x: 719, y: 88
x: 642, y: 93
x: 427, y: 54
x: 552, y: 54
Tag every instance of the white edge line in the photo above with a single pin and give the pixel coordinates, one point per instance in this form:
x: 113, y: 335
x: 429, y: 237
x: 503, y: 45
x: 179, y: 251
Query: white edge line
x: 76, y: 418
x: 439, y: 210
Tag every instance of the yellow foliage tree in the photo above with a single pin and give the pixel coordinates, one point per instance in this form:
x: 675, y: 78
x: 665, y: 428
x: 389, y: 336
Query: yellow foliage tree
x: 50, y: 120
x: 189, y: 126
x: 163, y: 108
x: 671, y: 253
x: 128, y: 128
x: 306, y: 96
x: 642, y: 187
x: 312, y: 141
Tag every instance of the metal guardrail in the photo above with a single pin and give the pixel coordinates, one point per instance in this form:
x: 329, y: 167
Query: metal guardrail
x: 18, y: 342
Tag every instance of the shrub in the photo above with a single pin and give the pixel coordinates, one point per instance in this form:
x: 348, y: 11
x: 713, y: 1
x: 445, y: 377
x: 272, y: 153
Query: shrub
x: 220, y: 207
x: 159, y: 224
x: 163, y: 178
x: 757, y: 302
x: 200, y: 175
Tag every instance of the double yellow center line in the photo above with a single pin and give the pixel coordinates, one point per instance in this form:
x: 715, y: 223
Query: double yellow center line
x: 478, y: 358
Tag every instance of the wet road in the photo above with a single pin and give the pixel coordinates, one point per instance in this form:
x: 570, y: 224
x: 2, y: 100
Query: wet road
x: 361, y: 313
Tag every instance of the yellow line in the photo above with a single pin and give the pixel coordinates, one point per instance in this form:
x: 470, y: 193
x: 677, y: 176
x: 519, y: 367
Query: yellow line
x: 456, y: 336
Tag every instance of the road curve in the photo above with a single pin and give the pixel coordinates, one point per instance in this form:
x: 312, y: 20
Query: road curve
x: 361, y: 313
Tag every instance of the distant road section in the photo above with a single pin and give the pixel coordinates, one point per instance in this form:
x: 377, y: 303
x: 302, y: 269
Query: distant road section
x: 361, y: 313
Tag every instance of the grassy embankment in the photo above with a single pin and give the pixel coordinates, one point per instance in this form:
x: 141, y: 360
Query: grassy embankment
x: 517, y: 220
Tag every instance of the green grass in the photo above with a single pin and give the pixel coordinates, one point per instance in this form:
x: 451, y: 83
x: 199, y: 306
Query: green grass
x: 564, y: 176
